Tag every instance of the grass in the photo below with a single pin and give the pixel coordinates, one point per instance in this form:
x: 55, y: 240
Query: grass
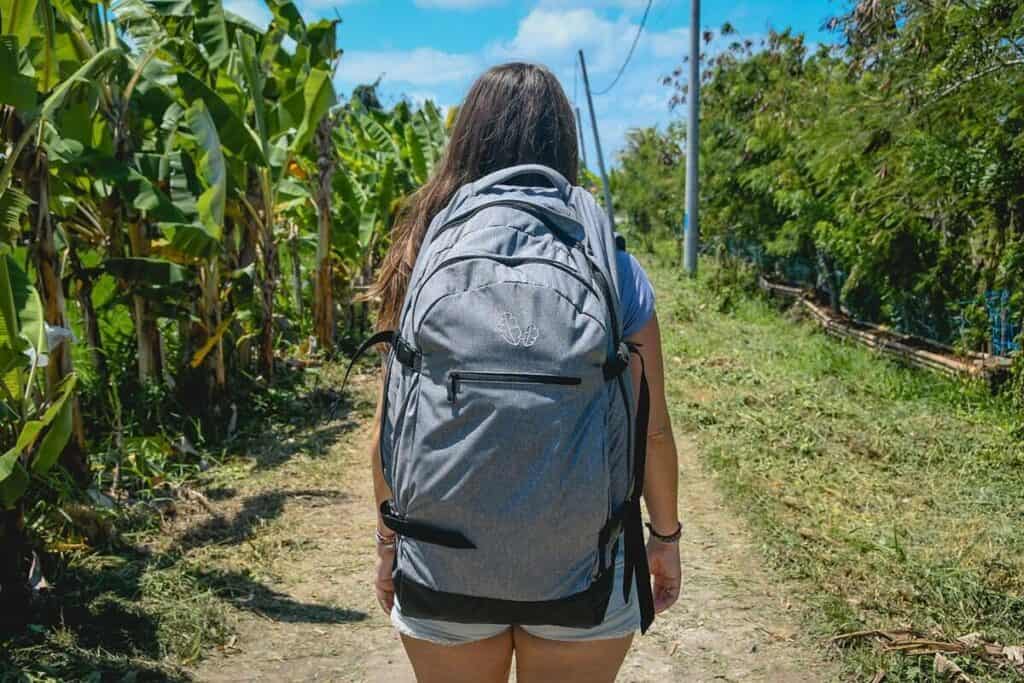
x: 157, y: 596
x: 893, y: 496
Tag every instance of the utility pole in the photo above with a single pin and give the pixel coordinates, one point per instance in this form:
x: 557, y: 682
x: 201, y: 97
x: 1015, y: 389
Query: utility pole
x: 692, y: 220
x: 597, y: 144
x: 583, y: 146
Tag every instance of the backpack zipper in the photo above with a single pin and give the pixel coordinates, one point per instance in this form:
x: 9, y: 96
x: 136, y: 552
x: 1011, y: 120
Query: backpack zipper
x: 456, y: 378
x: 510, y: 261
x: 525, y: 207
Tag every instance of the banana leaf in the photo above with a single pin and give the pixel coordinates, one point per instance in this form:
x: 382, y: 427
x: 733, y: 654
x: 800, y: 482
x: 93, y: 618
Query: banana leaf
x: 58, y: 418
x: 150, y: 271
x: 212, y: 170
x: 16, y: 89
x: 13, y: 205
x: 211, y: 31
x: 13, y: 479
x: 235, y: 134
x: 318, y: 97
x: 417, y: 159
x: 17, y: 17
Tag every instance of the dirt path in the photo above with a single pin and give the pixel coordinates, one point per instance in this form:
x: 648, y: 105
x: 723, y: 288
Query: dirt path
x: 300, y: 532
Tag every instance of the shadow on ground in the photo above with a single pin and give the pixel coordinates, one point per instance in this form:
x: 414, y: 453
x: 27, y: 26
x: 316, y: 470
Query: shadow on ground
x: 127, y: 615
x: 113, y: 615
x: 256, y: 510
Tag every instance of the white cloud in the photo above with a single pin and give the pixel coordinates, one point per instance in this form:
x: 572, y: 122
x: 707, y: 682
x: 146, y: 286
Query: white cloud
x: 545, y: 34
x: 672, y: 43
x: 619, y: 4
x: 324, y: 5
x: 422, y: 66
x: 456, y: 4
x: 420, y: 97
x: 553, y: 36
x: 254, y: 10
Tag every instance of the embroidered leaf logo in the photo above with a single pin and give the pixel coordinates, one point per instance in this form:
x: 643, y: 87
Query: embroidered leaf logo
x: 510, y: 331
x: 530, y: 335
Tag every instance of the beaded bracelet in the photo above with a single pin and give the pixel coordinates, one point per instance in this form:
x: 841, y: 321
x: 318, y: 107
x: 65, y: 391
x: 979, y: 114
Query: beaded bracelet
x: 386, y: 541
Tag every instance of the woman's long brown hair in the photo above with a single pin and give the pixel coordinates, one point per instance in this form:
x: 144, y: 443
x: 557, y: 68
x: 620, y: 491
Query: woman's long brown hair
x: 514, y: 114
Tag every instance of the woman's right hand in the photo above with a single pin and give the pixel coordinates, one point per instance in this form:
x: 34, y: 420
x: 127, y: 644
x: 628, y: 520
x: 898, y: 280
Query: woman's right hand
x: 383, y: 583
x: 666, y: 572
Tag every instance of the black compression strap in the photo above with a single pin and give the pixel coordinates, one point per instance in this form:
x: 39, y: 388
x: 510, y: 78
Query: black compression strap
x: 422, y: 532
x: 635, y: 551
x: 406, y: 354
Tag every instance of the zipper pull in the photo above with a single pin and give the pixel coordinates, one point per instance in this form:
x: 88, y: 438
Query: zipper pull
x: 453, y: 387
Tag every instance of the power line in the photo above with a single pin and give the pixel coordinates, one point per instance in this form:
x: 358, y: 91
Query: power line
x: 632, y: 48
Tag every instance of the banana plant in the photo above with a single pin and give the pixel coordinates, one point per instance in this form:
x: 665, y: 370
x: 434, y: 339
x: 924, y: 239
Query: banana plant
x: 383, y: 157
x: 33, y: 432
x: 26, y: 346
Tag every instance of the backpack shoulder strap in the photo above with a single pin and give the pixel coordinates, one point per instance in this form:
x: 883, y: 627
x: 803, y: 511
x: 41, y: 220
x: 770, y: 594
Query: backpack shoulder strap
x: 601, y: 240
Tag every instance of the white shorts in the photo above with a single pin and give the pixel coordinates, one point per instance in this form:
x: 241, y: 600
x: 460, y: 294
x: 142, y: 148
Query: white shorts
x: 620, y: 619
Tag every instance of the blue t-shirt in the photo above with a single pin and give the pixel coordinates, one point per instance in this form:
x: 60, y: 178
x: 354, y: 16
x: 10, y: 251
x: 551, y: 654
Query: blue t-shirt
x: 635, y: 293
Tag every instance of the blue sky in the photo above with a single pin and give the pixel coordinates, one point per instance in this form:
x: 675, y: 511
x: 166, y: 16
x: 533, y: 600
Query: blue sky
x: 435, y: 48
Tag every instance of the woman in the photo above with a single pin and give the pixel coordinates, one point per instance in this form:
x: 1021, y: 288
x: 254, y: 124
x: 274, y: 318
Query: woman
x: 518, y: 114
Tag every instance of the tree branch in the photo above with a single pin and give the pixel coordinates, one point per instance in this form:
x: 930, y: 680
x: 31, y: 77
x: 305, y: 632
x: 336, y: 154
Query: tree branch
x: 953, y: 87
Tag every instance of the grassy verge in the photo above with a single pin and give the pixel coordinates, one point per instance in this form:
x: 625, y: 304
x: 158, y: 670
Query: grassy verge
x: 894, y: 496
x: 169, y: 581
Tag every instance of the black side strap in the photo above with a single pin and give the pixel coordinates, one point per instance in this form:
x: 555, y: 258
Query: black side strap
x: 404, y: 352
x: 635, y: 551
x: 422, y: 532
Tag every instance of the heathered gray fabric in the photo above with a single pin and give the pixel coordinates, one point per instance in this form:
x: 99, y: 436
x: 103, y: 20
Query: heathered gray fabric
x: 529, y: 472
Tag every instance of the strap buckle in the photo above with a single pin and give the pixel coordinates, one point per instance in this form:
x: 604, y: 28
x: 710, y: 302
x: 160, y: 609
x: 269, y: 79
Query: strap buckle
x: 406, y: 354
x: 616, y: 365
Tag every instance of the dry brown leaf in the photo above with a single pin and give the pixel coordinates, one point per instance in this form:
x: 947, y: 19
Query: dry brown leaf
x: 944, y: 665
x: 1014, y: 653
x: 972, y: 639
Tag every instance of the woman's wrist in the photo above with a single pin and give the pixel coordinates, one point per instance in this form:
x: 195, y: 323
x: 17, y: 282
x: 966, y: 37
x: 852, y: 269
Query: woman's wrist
x: 663, y: 535
x: 385, y: 539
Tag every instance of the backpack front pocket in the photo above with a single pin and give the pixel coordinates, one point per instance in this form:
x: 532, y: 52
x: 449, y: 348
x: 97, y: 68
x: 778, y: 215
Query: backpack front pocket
x: 456, y: 378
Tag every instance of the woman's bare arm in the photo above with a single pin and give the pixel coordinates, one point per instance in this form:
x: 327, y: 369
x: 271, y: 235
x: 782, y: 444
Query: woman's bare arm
x: 661, y: 480
x: 384, y: 585
x: 381, y: 492
x: 661, y: 476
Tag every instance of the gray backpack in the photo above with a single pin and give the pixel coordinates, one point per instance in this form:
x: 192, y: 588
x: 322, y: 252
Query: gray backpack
x: 509, y: 439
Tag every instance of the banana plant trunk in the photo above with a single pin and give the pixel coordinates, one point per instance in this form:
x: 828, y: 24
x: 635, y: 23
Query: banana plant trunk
x: 147, y: 333
x: 212, y: 314
x: 296, y: 264
x: 51, y: 290
x: 247, y: 255
x: 83, y: 292
x: 268, y: 284
x: 323, y: 291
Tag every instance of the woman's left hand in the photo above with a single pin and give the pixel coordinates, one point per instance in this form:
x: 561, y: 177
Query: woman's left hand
x: 383, y: 584
x: 665, y: 571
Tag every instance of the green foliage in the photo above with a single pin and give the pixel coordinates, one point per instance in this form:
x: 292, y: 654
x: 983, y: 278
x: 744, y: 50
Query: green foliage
x: 888, y: 171
x: 157, y: 155
x: 648, y: 186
